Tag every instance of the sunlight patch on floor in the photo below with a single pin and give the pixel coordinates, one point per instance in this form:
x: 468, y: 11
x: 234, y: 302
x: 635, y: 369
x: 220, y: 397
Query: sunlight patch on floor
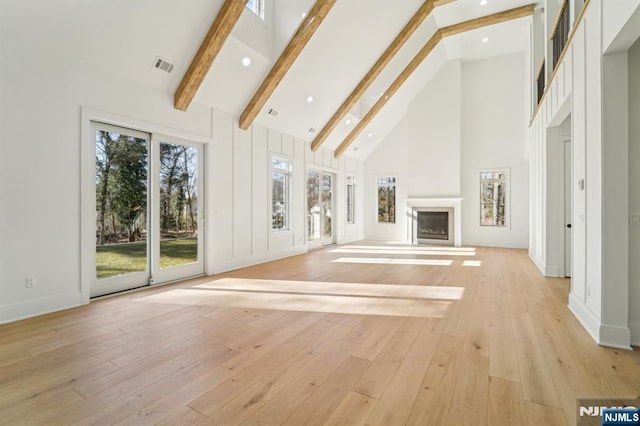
x: 307, y: 296
x: 384, y: 261
x: 411, y: 247
x: 472, y: 263
x: 395, y: 250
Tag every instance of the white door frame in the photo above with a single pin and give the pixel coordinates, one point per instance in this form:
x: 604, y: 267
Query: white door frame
x: 87, y: 183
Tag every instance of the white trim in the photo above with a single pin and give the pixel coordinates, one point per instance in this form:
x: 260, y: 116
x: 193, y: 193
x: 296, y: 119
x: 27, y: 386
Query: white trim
x: 87, y: 186
x: 552, y: 271
x: 41, y: 306
x: 615, y: 337
x: 89, y: 114
x: 585, y: 316
x: 635, y: 334
x: 395, y: 197
x: 289, y: 192
x: 507, y: 206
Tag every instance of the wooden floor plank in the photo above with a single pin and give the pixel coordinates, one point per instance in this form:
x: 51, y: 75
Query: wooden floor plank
x: 394, y: 406
x: 506, y: 403
x: 354, y: 410
x: 432, y: 403
x: 320, y: 405
x: 306, y: 340
x: 375, y: 380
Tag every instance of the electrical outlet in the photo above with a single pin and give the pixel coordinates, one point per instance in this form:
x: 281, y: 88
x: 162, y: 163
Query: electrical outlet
x: 30, y: 281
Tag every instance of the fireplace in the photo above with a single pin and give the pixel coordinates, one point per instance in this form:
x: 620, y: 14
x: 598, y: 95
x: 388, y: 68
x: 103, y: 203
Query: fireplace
x: 435, y: 221
x: 432, y: 225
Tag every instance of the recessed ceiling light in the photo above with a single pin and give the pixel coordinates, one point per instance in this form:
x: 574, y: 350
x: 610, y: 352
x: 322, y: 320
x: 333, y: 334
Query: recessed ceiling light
x: 304, y: 15
x: 483, y: 2
x: 369, y: 135
x: 486, y: 39
x: 309, y: 99
x: 246, y: 61
x: 348, y: 121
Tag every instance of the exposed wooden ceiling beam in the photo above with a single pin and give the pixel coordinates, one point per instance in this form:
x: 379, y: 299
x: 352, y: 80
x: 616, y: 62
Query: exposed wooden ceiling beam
x: 485, y: 21
x: 395, y: 46
x: 289, y: 55
x: 384, y: 98
x: 470, y: 25
x: 220, y: 29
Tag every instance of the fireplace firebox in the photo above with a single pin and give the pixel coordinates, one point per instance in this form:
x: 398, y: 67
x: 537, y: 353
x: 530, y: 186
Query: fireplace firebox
x: 432, y: 225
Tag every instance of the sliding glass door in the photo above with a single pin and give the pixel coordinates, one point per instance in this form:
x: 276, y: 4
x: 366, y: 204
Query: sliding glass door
x: 148, y: 209
x: 319, y: 208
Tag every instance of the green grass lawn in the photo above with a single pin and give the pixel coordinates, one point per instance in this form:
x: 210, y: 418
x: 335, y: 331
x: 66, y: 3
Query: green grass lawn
x: 118, y: 259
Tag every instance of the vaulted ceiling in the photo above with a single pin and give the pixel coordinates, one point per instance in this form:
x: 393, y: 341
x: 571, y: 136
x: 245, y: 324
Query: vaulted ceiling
x: 126, y: 36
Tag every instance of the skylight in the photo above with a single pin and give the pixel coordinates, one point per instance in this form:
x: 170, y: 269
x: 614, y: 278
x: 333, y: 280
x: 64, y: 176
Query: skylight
x: 257, y: 7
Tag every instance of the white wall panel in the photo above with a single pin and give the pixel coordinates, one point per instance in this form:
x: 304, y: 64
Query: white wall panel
x: 223, y: 125
x: 260, y: 190
x: 579, y: 281
x: 593, y: 181
x: 287, y: 145
x: 242, y: 191
x: 634, y: 191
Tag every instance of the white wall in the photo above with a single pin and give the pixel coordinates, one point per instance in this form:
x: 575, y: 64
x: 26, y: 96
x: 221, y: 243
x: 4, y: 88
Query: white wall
x: 634, y: 191
x: 435, y: 135
x: 494, y: 136
x: 42, y: 94
x: 241, y: 207
x: 390, y: 158
x: 593, y: 88
x: 470, y: 116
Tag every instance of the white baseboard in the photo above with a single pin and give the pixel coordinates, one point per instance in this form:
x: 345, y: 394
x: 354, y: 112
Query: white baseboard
x: 585, y: 316
x: 635, y: 334
x: 604, y: 335
x: 615, y: 337
x: 41, y: 306
x: 233, y: 264
x: 537, y: 261
x: 551, y: 271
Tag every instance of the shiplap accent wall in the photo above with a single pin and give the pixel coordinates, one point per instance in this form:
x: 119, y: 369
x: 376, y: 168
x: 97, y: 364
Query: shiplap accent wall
x: 241, y: 202
x: 589, y: 87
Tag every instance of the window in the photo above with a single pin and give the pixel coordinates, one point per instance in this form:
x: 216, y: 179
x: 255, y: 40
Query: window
x: 257, y: 7
x: 386, y: 200
x: 351, y: 193
x: 493, y: 197
x: 280, y: 193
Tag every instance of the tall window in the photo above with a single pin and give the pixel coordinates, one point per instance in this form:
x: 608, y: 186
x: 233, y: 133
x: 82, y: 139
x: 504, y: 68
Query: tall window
x: 386, y: 200
x: 351, y: 194
x: 493, y: 197
x: 257, y: 7
x: 280, y: 193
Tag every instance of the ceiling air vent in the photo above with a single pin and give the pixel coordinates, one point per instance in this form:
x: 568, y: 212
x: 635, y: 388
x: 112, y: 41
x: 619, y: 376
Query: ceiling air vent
x: 272, y: 112
x: 312, y: 130
x: 163, y: 65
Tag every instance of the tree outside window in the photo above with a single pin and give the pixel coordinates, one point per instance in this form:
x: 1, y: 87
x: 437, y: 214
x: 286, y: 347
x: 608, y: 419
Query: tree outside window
x: 386, y: 200
x: 280, y: 193
x: 493, y: 198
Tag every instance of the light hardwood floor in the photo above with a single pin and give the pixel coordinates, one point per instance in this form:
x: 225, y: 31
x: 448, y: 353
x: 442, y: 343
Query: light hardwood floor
x: 323, y: 338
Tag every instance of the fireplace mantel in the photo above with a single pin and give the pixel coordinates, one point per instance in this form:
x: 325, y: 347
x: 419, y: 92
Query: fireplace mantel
x: 450, y: 202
